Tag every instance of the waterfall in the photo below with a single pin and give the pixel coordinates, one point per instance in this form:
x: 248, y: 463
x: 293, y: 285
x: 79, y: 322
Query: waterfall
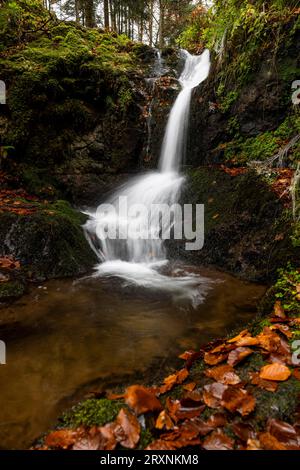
x: 138, y: 257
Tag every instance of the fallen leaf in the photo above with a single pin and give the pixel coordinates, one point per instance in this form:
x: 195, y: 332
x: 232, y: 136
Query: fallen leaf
x: 269, y: 442
x: 174, y: 379
x: 253, y: 444
x: 296, y: 373
x: 164, y: 421
x: 213, y: 393
x: 141, y: 400
x: 214, y: 359
x: 284, y: 329
x: 160, y: 444
x: 241, y: 335
x: 275, y: 371
x: 262, y: 383
x: 128, y: 429
x: 190, y: 386
x: 243, y: 431
x: 218, y: 441
x: 279, y: 310
x: 237, y: 399
x: 298, y: 291
x: 284, y: 433
x: 178, y: 411
x: 217, y: 420
x: 62, y: 439
x: 237, y: 355
x: 224, y: 374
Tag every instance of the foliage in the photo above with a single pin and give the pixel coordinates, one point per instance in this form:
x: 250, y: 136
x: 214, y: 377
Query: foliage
x: 264, y: 145
x: 92, y: 412
x: 286, y: 288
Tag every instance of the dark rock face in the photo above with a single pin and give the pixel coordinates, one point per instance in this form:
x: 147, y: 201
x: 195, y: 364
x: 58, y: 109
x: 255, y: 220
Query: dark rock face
x: 242, y: 220
x: 257, y: 105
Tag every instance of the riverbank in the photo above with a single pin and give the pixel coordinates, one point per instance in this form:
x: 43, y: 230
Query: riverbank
x: 240, y: 392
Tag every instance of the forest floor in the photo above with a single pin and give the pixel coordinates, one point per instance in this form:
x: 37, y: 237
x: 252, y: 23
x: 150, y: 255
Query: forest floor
x: 240, y: 392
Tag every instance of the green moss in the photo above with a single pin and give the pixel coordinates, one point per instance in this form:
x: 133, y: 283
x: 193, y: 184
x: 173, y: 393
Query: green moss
x: 92, y: 412
x: 286, y: 291
x: 281, y: 404
x: 11, y: 290
x: 145, y: 439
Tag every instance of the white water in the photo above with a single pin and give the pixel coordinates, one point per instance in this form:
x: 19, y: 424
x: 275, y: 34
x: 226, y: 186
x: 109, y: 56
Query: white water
x: 137, y: 261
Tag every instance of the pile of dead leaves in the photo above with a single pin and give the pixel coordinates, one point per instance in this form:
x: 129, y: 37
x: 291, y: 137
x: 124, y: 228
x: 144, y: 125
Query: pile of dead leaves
x: 17, y: 202
x: 8, y: 265
x: 217, y: 401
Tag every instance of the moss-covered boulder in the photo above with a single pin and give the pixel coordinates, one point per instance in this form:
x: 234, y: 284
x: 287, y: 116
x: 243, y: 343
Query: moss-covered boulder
x: 248, y: 230
x: 49, y: 242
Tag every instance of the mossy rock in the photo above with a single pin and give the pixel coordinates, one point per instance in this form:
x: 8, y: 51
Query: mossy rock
x: 49, y: 243
x: 11, y: 290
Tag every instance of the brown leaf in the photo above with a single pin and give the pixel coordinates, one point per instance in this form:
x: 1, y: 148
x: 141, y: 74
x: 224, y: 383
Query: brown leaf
x: 218, y: 441
x: 237, y: 355
x: 217, y: 420
x: 275, y: 371
x: 253, y: 444
x: 243, y: 431
x: 128, y: 429
x: 238, y: 399
x: 213, y: 359
x: 224, y: 374
x: 178, y: 411
x: 241, y: 335
x: 108, y: 433
x: 141, y: 400
x: 164, y: 421
x: 190, y: 386
x: 262, y: 383
x: 212, y: 394
x: 296, y: 373
x: 279, y: 310
x: 160, y: 444
x: 90, y: 442
x: 284, y: 329
x: 62, y: 439
x: 269, y: 340
x: 174, y: 379
x: 269, y: 442
x: 284, y: 433
x: 298, y: 291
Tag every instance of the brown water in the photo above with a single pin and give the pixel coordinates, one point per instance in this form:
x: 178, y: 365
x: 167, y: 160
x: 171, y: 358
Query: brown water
x: 68, y: 337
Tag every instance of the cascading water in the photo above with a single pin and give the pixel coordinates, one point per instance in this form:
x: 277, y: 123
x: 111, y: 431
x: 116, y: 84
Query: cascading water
x: 138, y: 257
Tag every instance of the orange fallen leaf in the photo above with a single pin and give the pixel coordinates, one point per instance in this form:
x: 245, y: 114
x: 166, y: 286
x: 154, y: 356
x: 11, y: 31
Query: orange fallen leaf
x: 279, y: 310
x: 141, y: 400
x: 164, y: 421
x: 244, y: 431
x: 62, y: 439
x: 275, y: 371
x: 262, y: 383
x: 237, y: 355
x: 174, y: 379
x: 190, y: 386
x: 213, y: 393
x: 128, y: 429
x: 218, y: 441
x: 224, y: 374
x: 284, y: 433
x: 269, y: 442
x: 237, y: 399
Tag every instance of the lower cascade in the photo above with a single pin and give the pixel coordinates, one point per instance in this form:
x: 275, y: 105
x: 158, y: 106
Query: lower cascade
x: 139, y: 256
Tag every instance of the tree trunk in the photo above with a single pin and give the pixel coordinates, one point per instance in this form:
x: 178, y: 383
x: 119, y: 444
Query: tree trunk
x: 151, y: 24
x: 106, y: 14
x: 77, y: 16
x: 112, y: 15
x: 161, y: 23
x: 89, y: 13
